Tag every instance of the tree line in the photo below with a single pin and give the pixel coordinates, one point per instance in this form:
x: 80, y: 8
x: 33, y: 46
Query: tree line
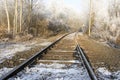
x: 33, y: 17
x: 104, y: 20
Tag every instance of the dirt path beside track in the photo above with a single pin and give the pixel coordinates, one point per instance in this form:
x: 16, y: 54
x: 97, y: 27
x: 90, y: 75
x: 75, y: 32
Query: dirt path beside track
x: 100, y: 55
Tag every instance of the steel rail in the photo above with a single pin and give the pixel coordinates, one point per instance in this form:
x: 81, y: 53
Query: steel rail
x: 86, y: 63
x: 29, y: 61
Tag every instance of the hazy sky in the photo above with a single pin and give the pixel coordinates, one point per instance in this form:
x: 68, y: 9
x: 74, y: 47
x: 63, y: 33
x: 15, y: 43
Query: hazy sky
x: 78, y: 5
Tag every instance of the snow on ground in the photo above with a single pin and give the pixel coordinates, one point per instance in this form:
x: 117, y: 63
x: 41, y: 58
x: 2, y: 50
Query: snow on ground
x: 45, y: 43
x: 70, y: 36
x: 8, y: 50
x: 57, y: 71
x: 4, y: 71
x: 53, y: 71
x: 104, y: 74
x: 80, y: 33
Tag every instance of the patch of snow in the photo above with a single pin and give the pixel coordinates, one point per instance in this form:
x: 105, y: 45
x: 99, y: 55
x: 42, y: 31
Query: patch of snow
x: 104, y: 74
x: 4, y: 71
x: 116, y: 75
x: 53, y: 71
x: 70, y: 36
x: 45, y: 43
x: 56, y: 66
x: 9, y: 51
x: 57, y: 71
x: 55, y: 61
x: 80, y: 33
x: 73, y: 35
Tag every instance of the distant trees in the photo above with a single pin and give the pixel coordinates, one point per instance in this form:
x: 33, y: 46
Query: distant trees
x: 64, y: 16
x: 114, y: 19
x: 99, y: 20
x: 33, y: 17
x: 105, y: 21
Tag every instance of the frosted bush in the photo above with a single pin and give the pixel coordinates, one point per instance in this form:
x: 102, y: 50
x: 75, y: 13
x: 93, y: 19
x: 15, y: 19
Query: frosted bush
x: 107, y: 20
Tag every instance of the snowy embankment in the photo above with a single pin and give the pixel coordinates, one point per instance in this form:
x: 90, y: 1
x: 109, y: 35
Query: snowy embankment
x: 8, y: 50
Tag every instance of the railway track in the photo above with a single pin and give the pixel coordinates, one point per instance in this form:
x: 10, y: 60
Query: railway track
x: 61, y: 51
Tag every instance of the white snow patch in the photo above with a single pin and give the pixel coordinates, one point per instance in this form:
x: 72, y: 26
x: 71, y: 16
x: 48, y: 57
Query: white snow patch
x: 55, y: 61
x: 73, y: 35
x: 8, y: 51
x: 104, y: 74
x: 70, y: 36
x: 57, y: 71
x: 53, y: 71
x: 45, y: 43
x: 80, y: 33
x: 4, y: 71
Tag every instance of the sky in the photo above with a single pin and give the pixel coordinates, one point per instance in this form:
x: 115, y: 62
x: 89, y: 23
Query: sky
x: 77, y: 5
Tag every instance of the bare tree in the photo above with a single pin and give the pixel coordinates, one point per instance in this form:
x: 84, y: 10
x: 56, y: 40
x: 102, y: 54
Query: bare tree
x: 7, y: 13
x: 16, y: 16
x: 90, y: 13
x: 21, y: 9
x: 29, y: 13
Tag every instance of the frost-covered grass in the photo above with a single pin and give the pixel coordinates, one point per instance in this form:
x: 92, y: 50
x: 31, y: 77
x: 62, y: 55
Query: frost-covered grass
x: 106, y: 20
x: 8, y: 50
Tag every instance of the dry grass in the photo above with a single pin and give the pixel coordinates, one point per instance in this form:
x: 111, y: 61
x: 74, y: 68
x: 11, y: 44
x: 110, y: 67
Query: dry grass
x: 100, y: 55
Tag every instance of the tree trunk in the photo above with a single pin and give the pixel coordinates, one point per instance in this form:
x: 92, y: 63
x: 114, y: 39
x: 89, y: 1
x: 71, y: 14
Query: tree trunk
x: 8, y: 19
x: 16, y: 15
x: 30, y: 12
x: 21, y: 6
x: 89, y: 32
